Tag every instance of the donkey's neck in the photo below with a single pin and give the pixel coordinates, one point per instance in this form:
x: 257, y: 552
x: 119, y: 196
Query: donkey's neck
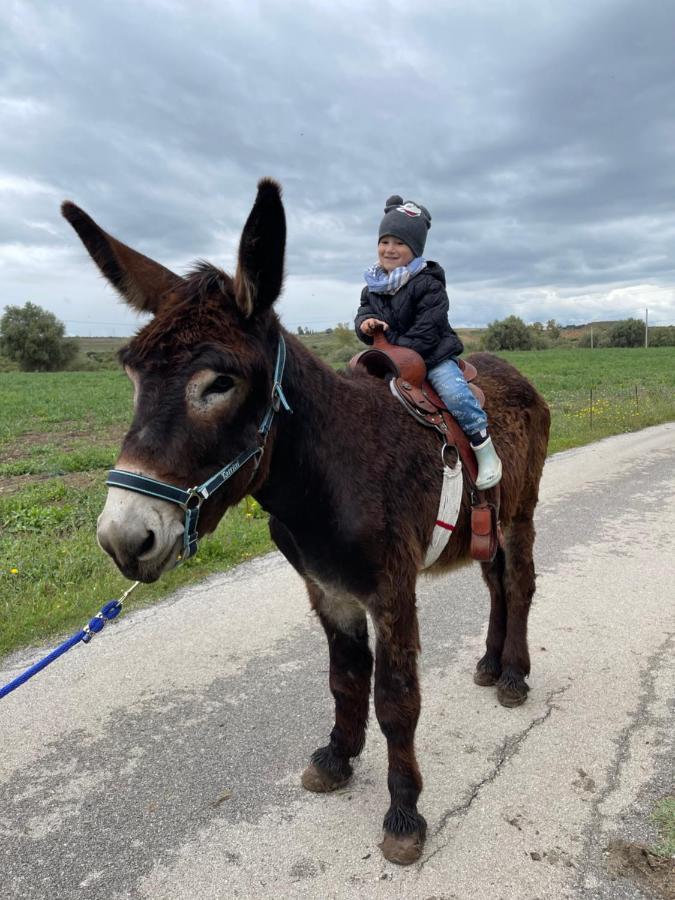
x: 309, y: 444
x: 346, y: 475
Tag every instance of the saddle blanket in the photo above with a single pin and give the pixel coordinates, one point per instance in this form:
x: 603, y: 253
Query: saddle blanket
x: 448, y: 512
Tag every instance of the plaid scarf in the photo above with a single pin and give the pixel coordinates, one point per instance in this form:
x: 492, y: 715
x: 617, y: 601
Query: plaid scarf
x: 380, y: 281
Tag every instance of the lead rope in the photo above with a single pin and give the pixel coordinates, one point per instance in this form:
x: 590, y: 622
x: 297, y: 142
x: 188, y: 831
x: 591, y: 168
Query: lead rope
x: 110, y: 611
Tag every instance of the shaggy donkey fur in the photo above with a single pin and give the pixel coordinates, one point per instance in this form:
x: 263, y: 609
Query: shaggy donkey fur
x: 350, y: 481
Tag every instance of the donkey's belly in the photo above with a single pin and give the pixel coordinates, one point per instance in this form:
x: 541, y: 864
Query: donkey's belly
x: 338, y: 566
x: 342, y: 609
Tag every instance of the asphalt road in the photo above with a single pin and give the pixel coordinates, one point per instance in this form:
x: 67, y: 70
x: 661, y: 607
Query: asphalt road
x: 163, y: 760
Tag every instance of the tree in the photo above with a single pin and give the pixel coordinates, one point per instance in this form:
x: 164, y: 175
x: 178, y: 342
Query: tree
x: 344, y: 334
x: 35, y: 339
x: 553, y: 329
x: 508, y: 334
x: 662, y: 336
x: 628, y: 333
x: 539, y: 339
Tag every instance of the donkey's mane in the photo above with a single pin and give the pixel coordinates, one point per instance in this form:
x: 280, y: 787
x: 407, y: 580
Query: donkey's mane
x: 199, y: 310
x: 203, y: 279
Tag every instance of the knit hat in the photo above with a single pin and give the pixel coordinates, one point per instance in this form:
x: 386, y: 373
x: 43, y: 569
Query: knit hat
x: 407, y: 221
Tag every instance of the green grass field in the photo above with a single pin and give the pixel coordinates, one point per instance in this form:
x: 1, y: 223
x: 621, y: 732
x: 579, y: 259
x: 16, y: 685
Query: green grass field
x: 60, y: 432
x: 631, y: 389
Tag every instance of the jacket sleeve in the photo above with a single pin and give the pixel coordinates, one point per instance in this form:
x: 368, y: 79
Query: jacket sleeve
x: 431, y: 320
x: 364, y: 312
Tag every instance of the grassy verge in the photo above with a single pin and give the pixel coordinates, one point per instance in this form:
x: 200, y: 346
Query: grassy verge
x: 60, y: 432
x: 664, y: 818
x: 54, y: 576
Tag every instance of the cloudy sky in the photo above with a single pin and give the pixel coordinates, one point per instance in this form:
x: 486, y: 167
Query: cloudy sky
x: 539, y: 133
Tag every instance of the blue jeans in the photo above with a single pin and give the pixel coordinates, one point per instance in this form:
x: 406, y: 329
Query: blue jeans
x: 447, y: 380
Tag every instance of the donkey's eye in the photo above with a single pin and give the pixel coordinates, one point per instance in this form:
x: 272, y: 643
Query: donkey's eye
x: 220, y: 385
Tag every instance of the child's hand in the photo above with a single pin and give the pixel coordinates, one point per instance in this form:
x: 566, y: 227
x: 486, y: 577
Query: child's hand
x: 368, y: 326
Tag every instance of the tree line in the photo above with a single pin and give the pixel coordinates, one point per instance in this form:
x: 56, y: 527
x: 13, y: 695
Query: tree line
x: 35, y: 340
x: 513, y: 334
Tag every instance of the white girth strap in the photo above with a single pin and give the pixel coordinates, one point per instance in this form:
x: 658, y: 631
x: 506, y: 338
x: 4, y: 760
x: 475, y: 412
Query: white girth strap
x: 448, y: 511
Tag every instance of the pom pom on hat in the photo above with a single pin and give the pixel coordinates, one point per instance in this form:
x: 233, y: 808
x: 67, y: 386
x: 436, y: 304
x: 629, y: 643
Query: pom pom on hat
x: 394, y: 200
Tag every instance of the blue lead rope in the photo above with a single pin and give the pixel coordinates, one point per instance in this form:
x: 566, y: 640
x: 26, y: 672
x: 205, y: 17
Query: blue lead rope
x: 110, y: 611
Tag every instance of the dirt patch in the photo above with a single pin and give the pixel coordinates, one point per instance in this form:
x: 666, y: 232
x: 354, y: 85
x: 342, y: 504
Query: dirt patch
x: 20, y: 447
x: 13, y: 483
x: 647, y: 869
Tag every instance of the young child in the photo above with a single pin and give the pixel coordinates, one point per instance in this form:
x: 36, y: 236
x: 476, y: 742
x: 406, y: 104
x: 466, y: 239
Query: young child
x: 405, y: 295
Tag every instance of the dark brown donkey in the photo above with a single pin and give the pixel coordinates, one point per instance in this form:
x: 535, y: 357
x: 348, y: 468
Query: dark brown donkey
x: 350, y: 481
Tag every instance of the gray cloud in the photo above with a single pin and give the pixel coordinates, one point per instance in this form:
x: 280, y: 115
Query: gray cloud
x: 540, y: 136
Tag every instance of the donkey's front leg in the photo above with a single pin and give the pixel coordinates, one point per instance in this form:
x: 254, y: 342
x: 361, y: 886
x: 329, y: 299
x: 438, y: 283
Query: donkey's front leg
x: 351, y: 665
x: 397, y: 705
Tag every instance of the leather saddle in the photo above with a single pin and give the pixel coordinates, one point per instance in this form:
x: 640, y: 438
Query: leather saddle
x: 405, y: 371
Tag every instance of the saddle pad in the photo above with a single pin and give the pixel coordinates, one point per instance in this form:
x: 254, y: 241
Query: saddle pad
x: 448, y: 511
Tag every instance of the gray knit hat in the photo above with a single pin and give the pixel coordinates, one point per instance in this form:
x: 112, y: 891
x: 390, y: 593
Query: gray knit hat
x: 406, y: 220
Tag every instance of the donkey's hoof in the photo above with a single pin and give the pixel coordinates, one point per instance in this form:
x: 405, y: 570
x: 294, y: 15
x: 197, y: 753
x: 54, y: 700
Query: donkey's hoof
x: 511, y: 693
x: 402, y: 849
x: 319, y: 781
x: 485, y: 678
x: 488, y: 670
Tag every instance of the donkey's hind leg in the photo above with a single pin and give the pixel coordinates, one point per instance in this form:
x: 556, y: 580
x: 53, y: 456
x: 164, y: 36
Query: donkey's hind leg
x: 351, y: 665
x: 519, y: 581
x: 489, y: 667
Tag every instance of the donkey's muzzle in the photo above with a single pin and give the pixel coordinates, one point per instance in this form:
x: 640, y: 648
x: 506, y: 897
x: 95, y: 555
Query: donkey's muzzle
x: 141, y: 534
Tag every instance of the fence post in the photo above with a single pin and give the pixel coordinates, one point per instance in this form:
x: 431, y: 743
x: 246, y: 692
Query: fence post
x: 590, y: 410
x: 637, y: 402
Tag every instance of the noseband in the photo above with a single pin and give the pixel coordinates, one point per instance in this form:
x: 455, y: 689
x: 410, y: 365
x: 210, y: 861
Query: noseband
x: 191, y: 500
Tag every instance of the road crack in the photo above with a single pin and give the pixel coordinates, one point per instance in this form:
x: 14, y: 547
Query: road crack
x: 639, y: 717
x: 509, y: 748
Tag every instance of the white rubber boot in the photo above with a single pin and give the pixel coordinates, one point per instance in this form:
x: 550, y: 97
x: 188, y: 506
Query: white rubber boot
x: 489, y: 465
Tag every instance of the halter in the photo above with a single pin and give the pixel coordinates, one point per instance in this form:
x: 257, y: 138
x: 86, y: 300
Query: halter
x: 191, y: 500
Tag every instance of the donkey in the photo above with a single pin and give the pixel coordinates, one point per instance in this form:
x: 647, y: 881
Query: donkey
x: 350, y: 481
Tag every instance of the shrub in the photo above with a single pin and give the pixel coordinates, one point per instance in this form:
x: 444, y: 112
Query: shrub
x: 342, y: 355
x: 662, y: 336
x: 344, y: 335
x: 600, y: 338
x: 553, y: 329
x: 35, y: 339
x: 509, y: 334
x: 628, y: 333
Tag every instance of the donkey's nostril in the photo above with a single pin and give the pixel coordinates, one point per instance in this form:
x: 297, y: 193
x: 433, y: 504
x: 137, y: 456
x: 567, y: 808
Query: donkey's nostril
x: 147, y: 544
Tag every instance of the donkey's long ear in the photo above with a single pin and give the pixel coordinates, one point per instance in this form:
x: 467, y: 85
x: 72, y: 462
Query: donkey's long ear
x: 260, y: 269
x: 141, y: 281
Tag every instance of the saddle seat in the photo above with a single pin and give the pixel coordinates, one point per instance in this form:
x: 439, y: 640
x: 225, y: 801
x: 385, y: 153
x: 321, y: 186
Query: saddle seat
x: 405, y: 371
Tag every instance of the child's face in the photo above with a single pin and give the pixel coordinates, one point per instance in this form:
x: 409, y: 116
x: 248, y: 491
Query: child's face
x: 392, y: 252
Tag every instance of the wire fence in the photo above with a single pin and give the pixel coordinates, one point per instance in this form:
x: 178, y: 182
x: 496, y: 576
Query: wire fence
x: 598, y: 410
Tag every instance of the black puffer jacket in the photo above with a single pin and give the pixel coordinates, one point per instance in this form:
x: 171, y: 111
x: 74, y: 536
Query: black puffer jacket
x: 417, y: 316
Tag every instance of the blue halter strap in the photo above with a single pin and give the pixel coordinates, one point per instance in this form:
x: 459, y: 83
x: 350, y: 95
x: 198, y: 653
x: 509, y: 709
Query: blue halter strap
x: 191, y: 500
